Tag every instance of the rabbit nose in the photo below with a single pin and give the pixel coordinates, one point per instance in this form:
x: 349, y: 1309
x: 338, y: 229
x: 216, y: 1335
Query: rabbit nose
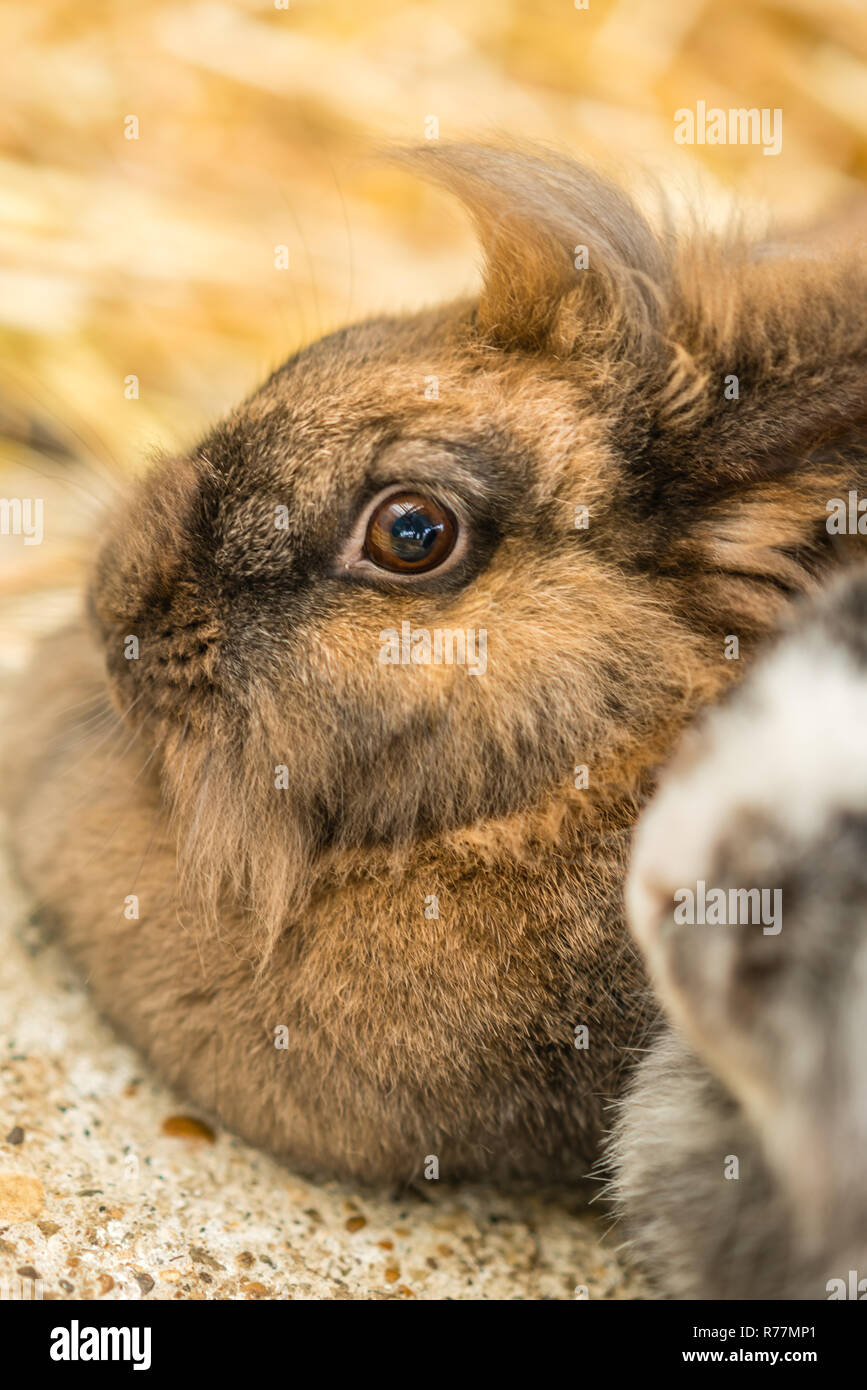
x: 141, y: 557
x: 165, y: 668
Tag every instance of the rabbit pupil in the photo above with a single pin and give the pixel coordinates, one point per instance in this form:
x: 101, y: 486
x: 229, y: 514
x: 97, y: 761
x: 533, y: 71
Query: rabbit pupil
x: 413, y: 535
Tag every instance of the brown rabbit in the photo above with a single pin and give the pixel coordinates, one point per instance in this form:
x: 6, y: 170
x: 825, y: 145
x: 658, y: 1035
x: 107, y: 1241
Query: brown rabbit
x: 353, y: 891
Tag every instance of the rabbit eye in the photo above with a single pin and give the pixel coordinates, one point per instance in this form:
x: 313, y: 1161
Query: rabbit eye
x: 410, y: 533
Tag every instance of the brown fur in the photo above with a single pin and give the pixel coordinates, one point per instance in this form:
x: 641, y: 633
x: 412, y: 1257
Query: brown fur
x: 305, y: 908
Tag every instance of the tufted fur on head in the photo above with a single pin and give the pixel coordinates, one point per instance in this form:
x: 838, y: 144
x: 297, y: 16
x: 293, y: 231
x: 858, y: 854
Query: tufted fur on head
x: 308, y: 800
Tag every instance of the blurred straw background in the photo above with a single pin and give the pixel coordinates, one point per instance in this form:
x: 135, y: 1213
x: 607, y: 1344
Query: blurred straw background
x: 155, y: 256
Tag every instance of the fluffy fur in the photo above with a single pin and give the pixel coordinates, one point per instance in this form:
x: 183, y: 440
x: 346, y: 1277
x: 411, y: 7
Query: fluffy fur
x: 305, y: 908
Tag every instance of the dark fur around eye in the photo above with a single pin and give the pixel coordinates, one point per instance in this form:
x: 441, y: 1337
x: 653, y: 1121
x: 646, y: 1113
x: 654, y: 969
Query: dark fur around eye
x: 482, y: 485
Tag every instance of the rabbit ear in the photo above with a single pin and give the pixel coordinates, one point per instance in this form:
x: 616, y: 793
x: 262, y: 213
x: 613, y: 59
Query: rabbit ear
x: 567, y: 253
x: 760, y: 434
x: 769, y: 373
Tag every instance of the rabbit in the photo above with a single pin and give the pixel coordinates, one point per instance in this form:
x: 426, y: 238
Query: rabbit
x: 363, y: 906
x: 738, y: 1157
